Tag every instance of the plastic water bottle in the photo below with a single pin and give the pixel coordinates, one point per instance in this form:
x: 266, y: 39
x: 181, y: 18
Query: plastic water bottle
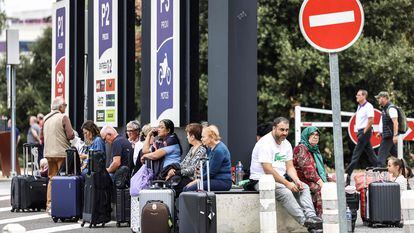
x: 349, y: 219
x: 239, y: 172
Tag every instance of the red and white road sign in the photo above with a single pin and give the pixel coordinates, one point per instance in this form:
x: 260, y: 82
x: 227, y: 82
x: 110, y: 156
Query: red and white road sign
x: 409, y: 135
x: 352, y: 131
x: 331, y: 25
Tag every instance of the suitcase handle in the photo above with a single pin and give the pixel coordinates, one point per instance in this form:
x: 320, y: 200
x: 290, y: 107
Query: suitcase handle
x: 74, y: 152
x: 27, y: 148
x: 201, y: 183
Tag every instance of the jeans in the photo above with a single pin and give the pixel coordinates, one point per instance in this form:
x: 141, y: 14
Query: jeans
x: 54, y: 164
x: 299, y: 205
x: 215, y: 185
x: 387, y: 148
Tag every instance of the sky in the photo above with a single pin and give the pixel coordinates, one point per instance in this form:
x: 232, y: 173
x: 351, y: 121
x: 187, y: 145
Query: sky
x: 24, y: 5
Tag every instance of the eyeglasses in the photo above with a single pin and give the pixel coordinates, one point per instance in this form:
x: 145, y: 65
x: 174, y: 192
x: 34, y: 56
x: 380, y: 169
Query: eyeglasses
x: 315, y: 134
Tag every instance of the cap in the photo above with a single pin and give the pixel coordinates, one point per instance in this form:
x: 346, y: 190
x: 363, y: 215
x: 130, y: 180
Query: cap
x: 382, y: 94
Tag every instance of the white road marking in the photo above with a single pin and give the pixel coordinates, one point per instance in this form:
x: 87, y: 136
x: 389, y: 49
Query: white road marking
x: 5, y: 209
x: 4, y: 198
x: 331, y: 18
x: 25, y: 218
x: 64, y: 228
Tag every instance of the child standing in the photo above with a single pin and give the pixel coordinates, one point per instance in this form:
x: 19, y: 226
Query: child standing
x: 396, y: 169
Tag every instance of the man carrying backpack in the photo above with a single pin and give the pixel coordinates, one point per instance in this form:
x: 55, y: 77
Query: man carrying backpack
x: 391, y: 126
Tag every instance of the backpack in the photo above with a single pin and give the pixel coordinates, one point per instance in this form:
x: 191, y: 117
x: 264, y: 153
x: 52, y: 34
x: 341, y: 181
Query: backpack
x: 402, y: 119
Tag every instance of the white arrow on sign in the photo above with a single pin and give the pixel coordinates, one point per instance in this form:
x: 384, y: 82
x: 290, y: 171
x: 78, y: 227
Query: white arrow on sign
x: 331, y: 18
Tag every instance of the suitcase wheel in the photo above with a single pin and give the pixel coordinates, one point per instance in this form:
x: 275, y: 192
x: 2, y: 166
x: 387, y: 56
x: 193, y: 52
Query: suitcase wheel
x: 12, y: 210
x: 76, y: 219
x: 118, y: 224
x: 55, y: 219
x: 399, y: 225
x: 103, y: 224
x: 83, y: 224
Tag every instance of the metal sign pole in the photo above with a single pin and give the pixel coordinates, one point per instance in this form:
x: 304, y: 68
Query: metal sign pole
x: 12, y: 72
x: 337, y: 132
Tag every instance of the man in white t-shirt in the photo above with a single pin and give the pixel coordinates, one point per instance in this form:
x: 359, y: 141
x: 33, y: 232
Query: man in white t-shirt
x: 363, y: 123
x: 272, y: 155
x: 388, y: 128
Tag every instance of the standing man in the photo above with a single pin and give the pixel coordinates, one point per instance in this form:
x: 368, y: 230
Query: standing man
x: 363, y: 123
x: 273, y: 155
x: 56, y: 133
x: 388, y: 128
x: 33, y: 135
x: 121, y: 149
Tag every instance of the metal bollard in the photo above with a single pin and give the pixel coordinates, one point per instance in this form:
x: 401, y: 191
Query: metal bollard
x: 407, y: 209
x: 268, y: 221
x: 330, y: 208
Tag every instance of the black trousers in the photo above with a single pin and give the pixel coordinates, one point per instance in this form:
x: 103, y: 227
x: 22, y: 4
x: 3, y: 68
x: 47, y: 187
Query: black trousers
x: 363, y: 145
x: 387, y: 147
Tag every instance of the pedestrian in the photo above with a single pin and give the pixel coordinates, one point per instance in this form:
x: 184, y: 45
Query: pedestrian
x: 121, y: 149
x: 388, y: 128
x: 56, y: 133
x: 33, y: 134
x: 133, y: 130
x: 273, y: 155
x: 363, y: 123
x: 397, y: 172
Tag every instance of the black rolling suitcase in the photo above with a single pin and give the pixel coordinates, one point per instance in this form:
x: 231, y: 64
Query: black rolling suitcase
x: 123, y: 207
x: 28, y: 192
x: 384, y: 204
x: 97, y: 192
x: 197, y: 210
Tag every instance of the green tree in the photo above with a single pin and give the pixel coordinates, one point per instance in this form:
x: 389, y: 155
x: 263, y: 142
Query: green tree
x: 291, y: 72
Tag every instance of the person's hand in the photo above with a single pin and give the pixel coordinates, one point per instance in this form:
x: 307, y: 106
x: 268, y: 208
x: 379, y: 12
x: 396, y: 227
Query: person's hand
x: 143, y: 159
x: 170, y: 174
x: 395, y: 139
x: 298, y: 184
x: 192, y: 183
x: 320, y: 183
x: 292, y: 187
x: 378, y: 135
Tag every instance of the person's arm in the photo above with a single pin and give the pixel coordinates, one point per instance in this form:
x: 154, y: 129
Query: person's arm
x: 116, y: 162
x: 68, y: 128
x: 192, y: 165
x: 215, y: 161
x: 306, y: 163
x: 291, y: 171
x: 369, y: 124
x: 370, y: 114
x: 268, y: 169
x: 154, y: 155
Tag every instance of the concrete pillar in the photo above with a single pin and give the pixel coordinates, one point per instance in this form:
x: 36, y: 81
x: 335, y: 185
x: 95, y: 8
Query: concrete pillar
x: 330, y: 208
x: 268, y: 221
x: 407, y: 209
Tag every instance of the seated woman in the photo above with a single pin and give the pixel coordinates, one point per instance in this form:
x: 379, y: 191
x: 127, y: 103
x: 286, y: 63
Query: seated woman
x: 219, y: 160
x: 136, y: 157
x: 167, y: 147
x: 187, y: 168
x: 93, y: 141
x: 308, y: 162
x: 396, y: 169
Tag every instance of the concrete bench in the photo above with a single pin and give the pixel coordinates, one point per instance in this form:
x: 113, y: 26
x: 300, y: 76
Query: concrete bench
x: 239, y: 211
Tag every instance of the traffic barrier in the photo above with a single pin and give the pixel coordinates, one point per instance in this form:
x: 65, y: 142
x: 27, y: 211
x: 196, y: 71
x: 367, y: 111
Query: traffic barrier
x: 407, y: 209
x: 330, y: 208
x: 268, y: 219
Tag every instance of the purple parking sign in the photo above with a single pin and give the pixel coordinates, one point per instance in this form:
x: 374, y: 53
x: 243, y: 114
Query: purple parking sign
x: 105, y: 25
x: 165, y: 61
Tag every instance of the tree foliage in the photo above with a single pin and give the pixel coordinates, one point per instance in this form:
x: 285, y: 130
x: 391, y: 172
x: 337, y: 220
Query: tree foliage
x: 291, y: 72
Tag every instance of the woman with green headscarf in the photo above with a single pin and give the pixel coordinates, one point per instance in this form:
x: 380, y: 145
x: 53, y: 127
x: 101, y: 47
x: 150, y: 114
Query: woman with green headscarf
x: 308, y: 162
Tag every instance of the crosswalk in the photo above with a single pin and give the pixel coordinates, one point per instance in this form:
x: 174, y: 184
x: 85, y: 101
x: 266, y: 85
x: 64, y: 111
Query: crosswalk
x: 41, y: 222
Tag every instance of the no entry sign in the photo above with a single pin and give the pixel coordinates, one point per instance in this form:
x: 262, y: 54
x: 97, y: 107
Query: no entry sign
x: 331, y: 25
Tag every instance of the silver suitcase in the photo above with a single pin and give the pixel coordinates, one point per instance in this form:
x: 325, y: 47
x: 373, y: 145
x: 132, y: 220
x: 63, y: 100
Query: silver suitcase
x: 165, y: 195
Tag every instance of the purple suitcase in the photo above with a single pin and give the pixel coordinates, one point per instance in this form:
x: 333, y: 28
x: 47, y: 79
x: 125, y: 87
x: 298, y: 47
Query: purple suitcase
x: 67, y: 194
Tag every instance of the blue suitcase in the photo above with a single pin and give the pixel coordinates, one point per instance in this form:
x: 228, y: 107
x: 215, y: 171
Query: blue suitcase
x: 67, y: 194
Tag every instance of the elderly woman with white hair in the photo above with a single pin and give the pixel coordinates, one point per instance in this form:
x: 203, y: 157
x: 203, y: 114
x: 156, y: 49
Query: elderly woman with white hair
x: 219, y: 162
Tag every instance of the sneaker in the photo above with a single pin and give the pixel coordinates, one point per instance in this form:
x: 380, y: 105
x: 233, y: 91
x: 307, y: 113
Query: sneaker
x: 313, y: 223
